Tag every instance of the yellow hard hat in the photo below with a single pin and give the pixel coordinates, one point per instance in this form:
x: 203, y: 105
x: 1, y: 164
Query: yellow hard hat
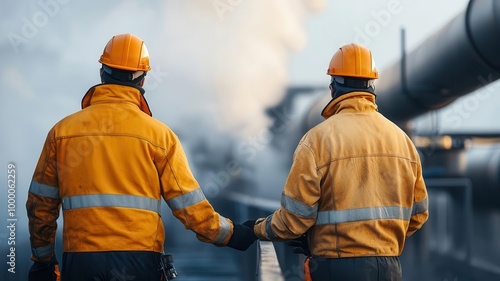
x: 353, y: 60
x: 126, y: 52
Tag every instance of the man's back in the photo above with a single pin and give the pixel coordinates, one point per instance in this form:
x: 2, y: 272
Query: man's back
x: 369, y: 169
x: 114, y: 143
x: 106, y: 157
x: 355, y: 188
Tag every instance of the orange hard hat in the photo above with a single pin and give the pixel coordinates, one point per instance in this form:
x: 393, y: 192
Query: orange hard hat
x: 126, y: 52
x: 353, y: 60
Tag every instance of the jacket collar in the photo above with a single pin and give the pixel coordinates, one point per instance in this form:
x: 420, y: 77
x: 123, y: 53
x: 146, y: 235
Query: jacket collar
x: 355, y: 101
x: 116, y: 93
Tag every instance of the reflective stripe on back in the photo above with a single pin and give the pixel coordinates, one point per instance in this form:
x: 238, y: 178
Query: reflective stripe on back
x: 185, y: 200
x: 111, y: 200
x: 363, y: 214
x: 44, y: 190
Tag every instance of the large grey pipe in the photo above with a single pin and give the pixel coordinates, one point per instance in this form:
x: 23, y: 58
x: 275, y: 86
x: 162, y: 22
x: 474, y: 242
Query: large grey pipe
x: 456, y: 60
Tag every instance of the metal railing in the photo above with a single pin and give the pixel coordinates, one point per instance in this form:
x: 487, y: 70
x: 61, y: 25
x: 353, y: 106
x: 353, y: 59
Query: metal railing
x: 268, y: 268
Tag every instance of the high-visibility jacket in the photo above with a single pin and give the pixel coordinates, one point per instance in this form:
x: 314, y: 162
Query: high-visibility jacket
x: 355, y: 186
x: 109, y: 165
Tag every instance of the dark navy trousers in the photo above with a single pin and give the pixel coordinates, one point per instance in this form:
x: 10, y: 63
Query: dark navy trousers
x: 110, y: 266
x: 356, y: 269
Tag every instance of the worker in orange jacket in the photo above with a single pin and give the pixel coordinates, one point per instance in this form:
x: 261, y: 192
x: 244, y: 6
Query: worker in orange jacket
x: 108, y: 166
x: 355, y: 190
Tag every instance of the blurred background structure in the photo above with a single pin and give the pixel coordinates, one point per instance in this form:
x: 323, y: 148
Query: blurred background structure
x: 241, y: 81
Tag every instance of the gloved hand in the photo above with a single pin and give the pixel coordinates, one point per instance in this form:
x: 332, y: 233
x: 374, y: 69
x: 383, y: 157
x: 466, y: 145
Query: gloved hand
x: 243, y: 237
x: 301, y: 245
x: 44, y: 271
x: 250, y: 224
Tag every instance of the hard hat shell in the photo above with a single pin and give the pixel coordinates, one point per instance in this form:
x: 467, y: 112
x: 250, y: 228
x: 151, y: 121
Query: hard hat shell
x: 353, y: 60
x: 126, y: 52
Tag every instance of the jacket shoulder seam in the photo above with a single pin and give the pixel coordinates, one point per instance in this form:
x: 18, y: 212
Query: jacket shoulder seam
x: 367, y: 156
x: 109, y: 135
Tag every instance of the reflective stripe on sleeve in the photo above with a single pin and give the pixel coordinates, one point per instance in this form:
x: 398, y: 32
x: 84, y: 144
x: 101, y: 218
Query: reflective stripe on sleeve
x: 111, y: 200
x: 363, y: 214
x: 44, y: 190
x: 420, y: 207
x: 269, y: 232
x: 185, y: 200
x: 295, y: 207
x: 42, y: 252
x: 225, y: 227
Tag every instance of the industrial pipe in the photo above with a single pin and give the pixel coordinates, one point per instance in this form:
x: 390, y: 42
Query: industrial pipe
x: 456, y: 60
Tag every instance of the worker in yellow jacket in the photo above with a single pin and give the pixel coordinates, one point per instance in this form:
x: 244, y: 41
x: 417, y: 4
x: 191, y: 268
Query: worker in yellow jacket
x: 355, y: 188
x: 108, y: 166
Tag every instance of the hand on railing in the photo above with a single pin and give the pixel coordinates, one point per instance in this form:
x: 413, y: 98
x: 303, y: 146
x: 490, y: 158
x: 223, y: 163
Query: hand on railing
x: 301, y: 246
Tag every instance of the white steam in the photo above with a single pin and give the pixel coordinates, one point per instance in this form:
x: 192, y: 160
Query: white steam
x: 229, y: 59
x: 227, y: 62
